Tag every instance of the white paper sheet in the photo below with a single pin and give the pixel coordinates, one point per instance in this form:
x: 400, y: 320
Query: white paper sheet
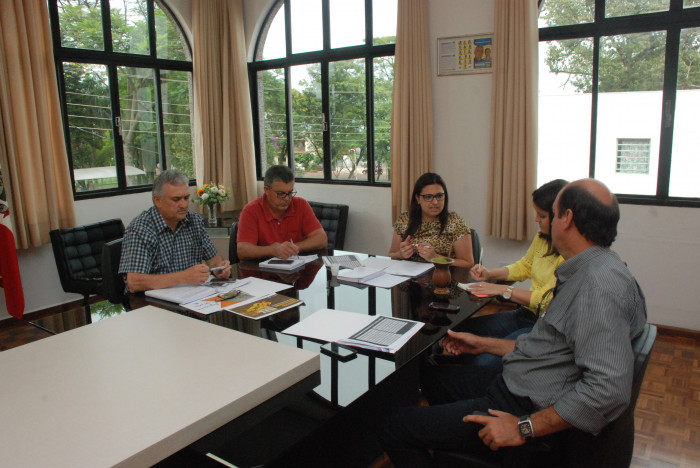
x: 385, y: 281
x: 335, y: 325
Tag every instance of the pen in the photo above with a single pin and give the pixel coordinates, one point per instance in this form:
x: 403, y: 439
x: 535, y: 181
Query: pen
x: 296, y: 257
x: 219, y: 268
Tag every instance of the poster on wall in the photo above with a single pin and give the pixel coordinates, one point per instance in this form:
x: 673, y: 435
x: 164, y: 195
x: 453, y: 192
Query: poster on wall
x: 462, y: 55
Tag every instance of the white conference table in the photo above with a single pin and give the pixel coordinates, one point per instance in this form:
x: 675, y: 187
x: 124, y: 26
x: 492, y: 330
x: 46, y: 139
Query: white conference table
x: 135, y: 388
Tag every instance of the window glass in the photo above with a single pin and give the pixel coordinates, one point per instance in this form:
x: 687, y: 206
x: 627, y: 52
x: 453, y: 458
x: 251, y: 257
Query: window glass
x: 80, y: 24
x: 691, y: 3
x: 634, y: 7
x: 129, y: 26
x: 685, y: 164
x: 273, y: 118
x: 307, y: 120
x: 565, y: 100
x: 307, y: 26
x: 566, y: 12
x: 89, y: 118
x: 348, y: 104
x: 384, y: 13
x: 168, y: 39
x: 273, y: 37
x: 176, y: 89
x: 383, y: 89
x: 138, y: 124
x: 121, y: 129
x: 629, y: 106
x: 347, y: 23
x: 324, y: 124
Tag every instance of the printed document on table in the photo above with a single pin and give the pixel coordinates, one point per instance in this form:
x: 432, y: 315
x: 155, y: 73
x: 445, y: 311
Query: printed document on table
x: 261, y: 287
x: 398, y: 267
x: 408, y: 268
x: 385, y: 281
x: 378, y: 333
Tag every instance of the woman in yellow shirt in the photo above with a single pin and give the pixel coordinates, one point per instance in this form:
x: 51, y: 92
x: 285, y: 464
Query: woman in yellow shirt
x: 538, y: 265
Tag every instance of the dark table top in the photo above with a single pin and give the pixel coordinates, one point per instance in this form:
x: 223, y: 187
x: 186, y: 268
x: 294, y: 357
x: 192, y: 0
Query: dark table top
x: 318, y: 289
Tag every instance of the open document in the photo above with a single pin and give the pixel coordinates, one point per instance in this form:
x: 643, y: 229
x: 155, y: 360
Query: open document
x: 379, y: 333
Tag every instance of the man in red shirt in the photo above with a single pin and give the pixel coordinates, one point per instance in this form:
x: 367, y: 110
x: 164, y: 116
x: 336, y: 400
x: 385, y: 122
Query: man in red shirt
x: 278, y: 224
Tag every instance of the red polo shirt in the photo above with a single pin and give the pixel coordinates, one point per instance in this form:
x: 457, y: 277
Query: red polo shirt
x: 258, y: 226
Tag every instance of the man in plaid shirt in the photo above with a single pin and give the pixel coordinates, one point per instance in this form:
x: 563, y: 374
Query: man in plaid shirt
x: 167, y: 244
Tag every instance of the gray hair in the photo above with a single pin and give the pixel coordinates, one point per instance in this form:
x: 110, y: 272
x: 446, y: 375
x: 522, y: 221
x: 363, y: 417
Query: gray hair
x: 282, y: 173
x: 172, y: 177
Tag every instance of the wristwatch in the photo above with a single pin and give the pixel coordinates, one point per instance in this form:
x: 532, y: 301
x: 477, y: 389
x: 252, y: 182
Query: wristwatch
x: 525, y: 427
x: 507, y: 293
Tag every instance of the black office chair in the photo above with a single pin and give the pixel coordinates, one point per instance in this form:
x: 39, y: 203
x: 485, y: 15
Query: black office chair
x: 233, y: 244
x: 611, y: 448
x: 334, y: 219
x: 476, y: 246
x: 113, y: 288
x: 78, y: 254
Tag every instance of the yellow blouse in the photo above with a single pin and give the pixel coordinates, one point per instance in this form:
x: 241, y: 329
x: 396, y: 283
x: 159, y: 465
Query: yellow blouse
x: 443, y: 243
x: 539, y: 269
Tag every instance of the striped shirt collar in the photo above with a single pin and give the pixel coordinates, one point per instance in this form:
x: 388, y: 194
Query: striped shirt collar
x: 570, y: 266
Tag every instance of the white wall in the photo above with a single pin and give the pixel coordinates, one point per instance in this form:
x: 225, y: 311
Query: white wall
x: 659, y: 243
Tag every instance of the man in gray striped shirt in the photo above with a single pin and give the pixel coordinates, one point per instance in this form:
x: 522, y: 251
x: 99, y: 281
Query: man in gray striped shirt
x: 574, y: 369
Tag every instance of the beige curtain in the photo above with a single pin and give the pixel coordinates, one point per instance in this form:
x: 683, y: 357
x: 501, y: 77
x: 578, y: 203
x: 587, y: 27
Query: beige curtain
x: 513, y: 163
x: 224, y: 151
x: 412, y: 108
x: 33, y: 150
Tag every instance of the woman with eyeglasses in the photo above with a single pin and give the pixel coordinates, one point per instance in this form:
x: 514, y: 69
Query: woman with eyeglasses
x: 429, y: 230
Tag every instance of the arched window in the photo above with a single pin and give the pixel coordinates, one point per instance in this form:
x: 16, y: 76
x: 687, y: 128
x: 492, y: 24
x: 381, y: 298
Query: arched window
x: 620, y: 96
x: 125, y: 73
x: 322, y: 81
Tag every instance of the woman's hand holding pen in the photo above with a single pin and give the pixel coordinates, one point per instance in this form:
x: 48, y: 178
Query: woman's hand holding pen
x: 480, y: 273
x: 406, y: 249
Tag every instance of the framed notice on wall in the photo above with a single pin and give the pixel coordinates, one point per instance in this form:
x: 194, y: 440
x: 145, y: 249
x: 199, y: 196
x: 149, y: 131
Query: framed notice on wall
x: 461, y: 55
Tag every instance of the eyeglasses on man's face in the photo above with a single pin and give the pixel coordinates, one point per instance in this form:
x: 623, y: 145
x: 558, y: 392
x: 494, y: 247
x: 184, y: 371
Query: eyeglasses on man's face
x: 429, y: 196
x: 285, y: 194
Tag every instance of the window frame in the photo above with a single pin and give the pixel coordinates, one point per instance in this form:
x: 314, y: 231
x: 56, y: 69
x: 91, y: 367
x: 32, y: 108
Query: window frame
x: 324, y: 57
x: 113, y: 61
x: 672, y: 22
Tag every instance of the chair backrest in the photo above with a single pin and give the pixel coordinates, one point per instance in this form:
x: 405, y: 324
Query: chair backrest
x: 334, y: 219
x: 476, y: 246
x: 78, y: 253
x: 233, y: 244
x: 112, y: 282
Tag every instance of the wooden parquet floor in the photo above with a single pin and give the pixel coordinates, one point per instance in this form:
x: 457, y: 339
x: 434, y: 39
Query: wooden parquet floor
x: 667, y: 416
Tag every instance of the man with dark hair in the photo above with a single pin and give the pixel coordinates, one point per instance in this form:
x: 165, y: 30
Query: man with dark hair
x: 167, y: 244
x: 278, y: 224
x: 574, y: 369
x: 594, y: 219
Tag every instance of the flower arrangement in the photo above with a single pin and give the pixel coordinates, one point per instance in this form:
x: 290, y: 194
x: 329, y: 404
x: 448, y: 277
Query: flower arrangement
x: 211, y: 194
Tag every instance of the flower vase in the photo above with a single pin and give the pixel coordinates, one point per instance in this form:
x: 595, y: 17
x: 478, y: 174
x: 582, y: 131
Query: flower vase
x: 211, y: 215
x: 442, y: 276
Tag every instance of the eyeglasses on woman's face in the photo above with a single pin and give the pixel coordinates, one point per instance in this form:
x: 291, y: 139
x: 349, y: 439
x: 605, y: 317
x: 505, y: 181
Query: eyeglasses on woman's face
x: 429, y: 197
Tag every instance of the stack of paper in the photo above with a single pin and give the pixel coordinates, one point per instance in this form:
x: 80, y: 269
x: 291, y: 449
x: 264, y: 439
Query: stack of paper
x: 379, y: 333
x: 359, y: 274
